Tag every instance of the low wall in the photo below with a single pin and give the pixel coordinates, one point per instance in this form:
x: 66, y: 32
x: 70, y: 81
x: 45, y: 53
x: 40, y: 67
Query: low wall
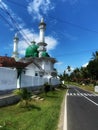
x: 8, y: 78
x: 27, y: 81
x: 33, y: 81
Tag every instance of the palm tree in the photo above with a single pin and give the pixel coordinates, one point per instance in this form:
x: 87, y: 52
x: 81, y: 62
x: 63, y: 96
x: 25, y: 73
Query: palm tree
x: 68, y: 69
x: 95, y: 56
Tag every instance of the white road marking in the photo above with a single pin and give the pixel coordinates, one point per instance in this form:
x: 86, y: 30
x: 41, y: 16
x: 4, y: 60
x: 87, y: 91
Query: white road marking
x: 89, y: 94
x: 81, y: 94
x: 85, y: 94
x: 78, y: 94
x: 88, y: 98
x: 70, y: 94
x: 74, y: 94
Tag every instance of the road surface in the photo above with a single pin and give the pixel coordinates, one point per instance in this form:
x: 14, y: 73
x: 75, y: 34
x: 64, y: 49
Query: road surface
x: 82, y: 110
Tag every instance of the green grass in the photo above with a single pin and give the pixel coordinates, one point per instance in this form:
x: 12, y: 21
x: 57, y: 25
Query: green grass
x: 89, y: 87
x: 40, y: 115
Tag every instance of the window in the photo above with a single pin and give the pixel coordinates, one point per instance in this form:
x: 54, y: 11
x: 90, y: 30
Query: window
x: 36, y: 74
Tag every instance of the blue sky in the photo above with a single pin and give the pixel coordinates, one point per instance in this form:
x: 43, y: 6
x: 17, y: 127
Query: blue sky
x: 71, y: 32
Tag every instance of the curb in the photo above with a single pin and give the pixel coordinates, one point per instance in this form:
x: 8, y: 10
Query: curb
x: 65, y: 113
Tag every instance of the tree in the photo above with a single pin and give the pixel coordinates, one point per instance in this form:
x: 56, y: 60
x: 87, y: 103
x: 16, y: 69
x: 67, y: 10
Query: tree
x: 95, y: 56
x: 24, y: 94
x: 76, y: 75
x: 68, y: 69
x: 93, y: 69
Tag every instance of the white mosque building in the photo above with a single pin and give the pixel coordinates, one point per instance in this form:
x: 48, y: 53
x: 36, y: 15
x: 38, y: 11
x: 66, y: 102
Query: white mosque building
x: 33, y: 70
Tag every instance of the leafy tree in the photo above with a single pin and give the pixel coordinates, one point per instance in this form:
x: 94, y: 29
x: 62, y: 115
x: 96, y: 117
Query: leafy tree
x: 24, y: 94
x: 93, y: 69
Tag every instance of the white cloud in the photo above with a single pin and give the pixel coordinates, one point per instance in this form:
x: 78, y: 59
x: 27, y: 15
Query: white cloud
x: 85, y: 65
x: 51, y: 42
x: 38, y: 7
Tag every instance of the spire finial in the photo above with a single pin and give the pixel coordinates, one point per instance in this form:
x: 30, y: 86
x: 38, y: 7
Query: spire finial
x: 42, y: 20
x: 16, y: 34
x: 33, y: 37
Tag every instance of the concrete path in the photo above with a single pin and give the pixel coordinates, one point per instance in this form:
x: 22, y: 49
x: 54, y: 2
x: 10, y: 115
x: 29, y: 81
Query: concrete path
x: 6, y: 96
x: 8, y: 99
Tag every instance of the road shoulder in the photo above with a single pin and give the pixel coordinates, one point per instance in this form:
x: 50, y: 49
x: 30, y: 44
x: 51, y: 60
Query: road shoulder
x: 63, y: 112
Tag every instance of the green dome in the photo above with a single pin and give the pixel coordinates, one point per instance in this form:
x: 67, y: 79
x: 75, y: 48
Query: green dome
x: 32, y: 51
x: 45, y: 54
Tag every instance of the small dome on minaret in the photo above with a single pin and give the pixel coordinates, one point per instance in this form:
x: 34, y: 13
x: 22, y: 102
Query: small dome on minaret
x: 16, y: 37
x: 42, y: 23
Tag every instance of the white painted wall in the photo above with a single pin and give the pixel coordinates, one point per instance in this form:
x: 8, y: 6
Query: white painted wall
x: 47, y: 65
x: 55, y: 81
x: 8, y: 78
x: 28, y: 81
x: 31, y: 69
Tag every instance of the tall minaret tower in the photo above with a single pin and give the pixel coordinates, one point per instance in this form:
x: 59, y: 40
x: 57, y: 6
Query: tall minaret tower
x: 15, y: 47
x: 42, y: 44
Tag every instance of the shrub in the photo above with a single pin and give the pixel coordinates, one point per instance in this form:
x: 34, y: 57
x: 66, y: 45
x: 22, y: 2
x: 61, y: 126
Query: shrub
x: 24, y: 94
x: 46, y: 88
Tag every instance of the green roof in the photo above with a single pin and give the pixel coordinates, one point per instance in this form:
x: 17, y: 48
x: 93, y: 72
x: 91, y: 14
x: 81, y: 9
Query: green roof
x: 32, y: 51
x: 45, y: 54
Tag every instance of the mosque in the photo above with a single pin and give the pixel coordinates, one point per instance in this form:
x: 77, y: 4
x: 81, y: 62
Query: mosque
x: 33, y: 70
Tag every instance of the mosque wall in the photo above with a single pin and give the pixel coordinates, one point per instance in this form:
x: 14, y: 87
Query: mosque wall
x: 8, y: 78
x: 31, y: 69
x: 32, y: 81
x: 47, y: 65
x: 55, y: 81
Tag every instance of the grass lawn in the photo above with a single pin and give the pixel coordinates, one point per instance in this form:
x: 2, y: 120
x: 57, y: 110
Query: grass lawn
x: 89, y: 87
x: 41, y: 115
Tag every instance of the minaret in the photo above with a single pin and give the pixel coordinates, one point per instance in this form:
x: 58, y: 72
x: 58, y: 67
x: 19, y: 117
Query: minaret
x: 42, y: 44
x: 15, y: 47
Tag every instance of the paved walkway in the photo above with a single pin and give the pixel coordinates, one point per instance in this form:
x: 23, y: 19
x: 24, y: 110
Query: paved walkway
x: 8, y: 99
x: 6, y: 95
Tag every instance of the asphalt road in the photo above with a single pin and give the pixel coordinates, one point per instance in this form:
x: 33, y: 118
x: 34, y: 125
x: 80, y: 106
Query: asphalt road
x: 82, y: 110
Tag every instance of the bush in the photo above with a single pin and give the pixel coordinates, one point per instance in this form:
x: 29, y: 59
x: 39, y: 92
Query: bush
x: 46, y: 88
x: 24, y: 94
